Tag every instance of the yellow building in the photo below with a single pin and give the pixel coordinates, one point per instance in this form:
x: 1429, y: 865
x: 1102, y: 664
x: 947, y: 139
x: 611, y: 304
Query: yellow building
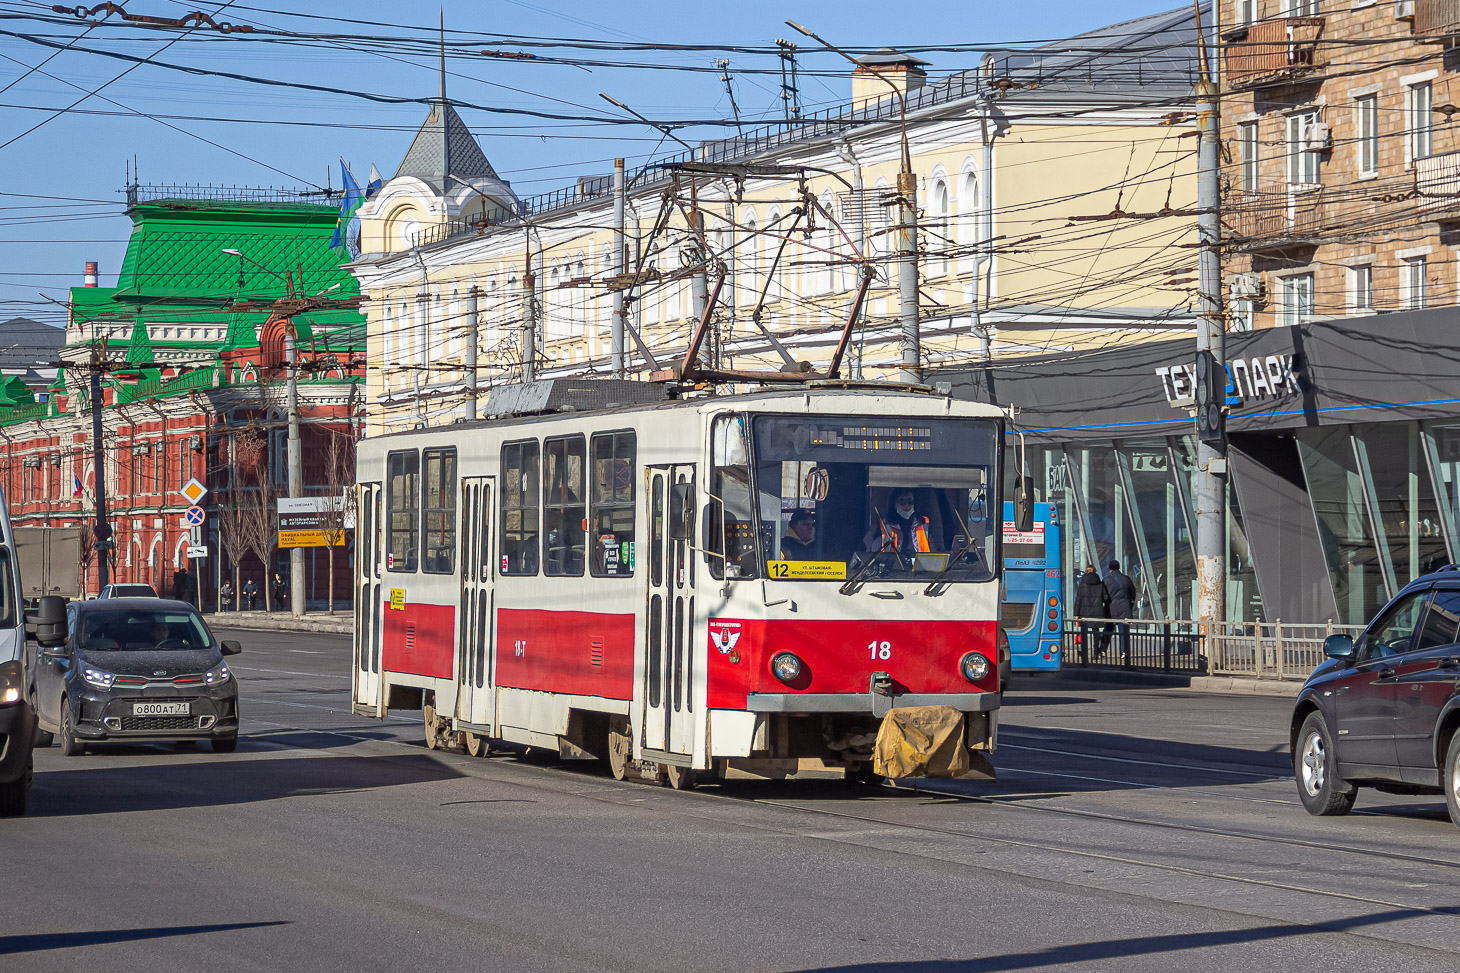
x: 1054, y: 189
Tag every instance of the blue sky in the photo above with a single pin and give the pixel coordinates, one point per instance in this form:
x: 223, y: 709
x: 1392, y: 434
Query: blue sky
x: 281, y: 136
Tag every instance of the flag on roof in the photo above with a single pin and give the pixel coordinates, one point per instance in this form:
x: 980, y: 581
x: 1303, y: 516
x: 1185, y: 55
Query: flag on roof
x: 348, y: 205
x: 373, y: 186
x: 75, y: 485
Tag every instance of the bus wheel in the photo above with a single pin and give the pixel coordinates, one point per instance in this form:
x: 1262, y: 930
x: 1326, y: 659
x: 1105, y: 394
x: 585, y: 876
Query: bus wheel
x: 679, y: 778
x: 476, y: 746
x: 620, y: 747
x: 433, y: 733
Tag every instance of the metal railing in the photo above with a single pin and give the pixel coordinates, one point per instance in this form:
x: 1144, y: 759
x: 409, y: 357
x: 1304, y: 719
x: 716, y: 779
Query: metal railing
x: 1259, y: 650
x: 1274, y: 50
x: 1275, y: 212
x: 1435, y: 18
x: 231, y: 194
x: 1437, y: 181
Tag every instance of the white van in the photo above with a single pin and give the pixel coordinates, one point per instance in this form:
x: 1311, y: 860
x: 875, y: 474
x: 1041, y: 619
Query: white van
x: 17, y: 718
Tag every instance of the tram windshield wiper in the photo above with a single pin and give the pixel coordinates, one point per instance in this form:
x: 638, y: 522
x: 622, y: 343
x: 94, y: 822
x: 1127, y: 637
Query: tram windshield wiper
x: 953, y: 560
x: 850, y: 585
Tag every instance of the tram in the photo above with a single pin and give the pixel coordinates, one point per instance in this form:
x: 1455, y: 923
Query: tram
x: 714, y: 585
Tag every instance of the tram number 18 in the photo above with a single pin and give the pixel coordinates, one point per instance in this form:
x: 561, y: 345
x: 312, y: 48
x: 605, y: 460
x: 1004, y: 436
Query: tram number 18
x: 880, y: 650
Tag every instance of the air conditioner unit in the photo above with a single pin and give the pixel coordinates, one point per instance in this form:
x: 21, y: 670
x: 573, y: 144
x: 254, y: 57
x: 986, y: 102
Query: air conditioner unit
x: 1245, y: 287
x: 1317, y: 137
x: 1404, y: 10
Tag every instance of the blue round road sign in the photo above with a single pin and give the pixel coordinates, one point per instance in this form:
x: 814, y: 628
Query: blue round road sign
x: 195, y: 516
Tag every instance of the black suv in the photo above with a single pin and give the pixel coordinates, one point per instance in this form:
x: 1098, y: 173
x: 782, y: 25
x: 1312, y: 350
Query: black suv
x: 1382, y: 711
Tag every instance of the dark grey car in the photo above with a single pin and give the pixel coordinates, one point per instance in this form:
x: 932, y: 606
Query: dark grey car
x: 136, y: 669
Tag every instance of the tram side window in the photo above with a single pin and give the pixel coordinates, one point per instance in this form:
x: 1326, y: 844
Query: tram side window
x: 403, y: 471
x: 439, y: 504
x: 612, y: 514
x: 730, y: 548
x: 519, y: 492
x: 562, y: 506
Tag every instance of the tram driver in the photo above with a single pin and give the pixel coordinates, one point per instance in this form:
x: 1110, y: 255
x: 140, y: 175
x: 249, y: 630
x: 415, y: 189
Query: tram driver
x: 901, y: 530
x: 799, y: 542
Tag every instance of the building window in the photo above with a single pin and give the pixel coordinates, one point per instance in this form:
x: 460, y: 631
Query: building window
x: 1414, y: 283
x: 1296, y: 299
x: 1361, y: 289
x: 403, y: 470
x: 519, y: 495
x: 562, y: 505
x: 1241, y: 319
x: 1366, y: 112
x: 1302, y: 159
x: 1246, y: 11
x: 937, y: 230
x: 1293, y: 8
x: 1247, y: 138
x: 1420, y: 100
x: 439, y: 506
x: 613, y: 504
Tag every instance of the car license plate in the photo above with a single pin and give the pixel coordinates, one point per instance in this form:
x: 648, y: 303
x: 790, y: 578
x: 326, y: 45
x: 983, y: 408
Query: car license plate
x: 160, y: 709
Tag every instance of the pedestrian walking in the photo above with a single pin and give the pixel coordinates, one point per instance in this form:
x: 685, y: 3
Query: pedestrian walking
x: 250, y: 592
x: 1091, y: 601
x: 281, y: 590
x: 225, y: 596
x: 1121, y: 591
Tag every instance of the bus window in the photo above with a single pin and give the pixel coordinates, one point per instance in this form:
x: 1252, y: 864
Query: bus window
x: 403, y: 471
x: 439, y: 504
x: 562, y: 506
x: 612, y: 513
x: 519, y: 492
x: 730, y: 547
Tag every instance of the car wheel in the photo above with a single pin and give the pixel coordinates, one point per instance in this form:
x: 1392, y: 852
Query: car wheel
x: 1315, y: 766
x: 16, y: 794
x: 225, y: 744
x: 71, y: 744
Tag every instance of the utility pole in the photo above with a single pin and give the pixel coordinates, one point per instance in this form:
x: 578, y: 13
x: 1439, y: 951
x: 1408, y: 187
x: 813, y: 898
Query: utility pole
x: 616, y: 325
x: 296, y: 471
x: 529, y: 316
x: 699, y: 290
x: 471, y: 351
x: 1211, y: 490
x: 101, y: 533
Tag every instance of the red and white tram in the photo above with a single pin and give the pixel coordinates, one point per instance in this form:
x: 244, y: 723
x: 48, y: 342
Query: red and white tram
x: 706, y: 585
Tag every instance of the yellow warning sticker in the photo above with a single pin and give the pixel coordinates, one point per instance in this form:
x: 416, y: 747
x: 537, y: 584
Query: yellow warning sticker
x: 807, y: 570
x: 398, y: 599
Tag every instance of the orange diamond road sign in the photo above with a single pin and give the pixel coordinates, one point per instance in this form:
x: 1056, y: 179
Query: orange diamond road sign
x: 194, y: 491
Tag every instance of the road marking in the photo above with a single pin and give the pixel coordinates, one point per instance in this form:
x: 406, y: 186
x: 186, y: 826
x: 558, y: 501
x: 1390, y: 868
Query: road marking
x: 288, y: 672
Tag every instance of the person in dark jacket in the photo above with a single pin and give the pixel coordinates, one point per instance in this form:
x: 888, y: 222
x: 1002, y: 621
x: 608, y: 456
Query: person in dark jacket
x: 1091, y: 601
x: 800, y: 537
x: 1122, y: 593
x: 251, y: 592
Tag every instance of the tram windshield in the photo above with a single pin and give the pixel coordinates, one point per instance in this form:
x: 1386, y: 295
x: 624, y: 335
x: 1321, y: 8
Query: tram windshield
x: 832, y: 498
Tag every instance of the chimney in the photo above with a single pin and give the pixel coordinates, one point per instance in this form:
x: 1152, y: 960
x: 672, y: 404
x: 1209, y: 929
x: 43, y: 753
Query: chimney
x: 876, y: 74
x: 90, y: 273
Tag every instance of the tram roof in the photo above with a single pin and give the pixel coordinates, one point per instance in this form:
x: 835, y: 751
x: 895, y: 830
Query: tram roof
x: 607, y: 406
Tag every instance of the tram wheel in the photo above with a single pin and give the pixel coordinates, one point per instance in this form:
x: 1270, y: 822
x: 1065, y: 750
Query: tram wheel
x: 620, y: 748
x: 679, y: 778
x: 433, y: 733
x: 476, y: 745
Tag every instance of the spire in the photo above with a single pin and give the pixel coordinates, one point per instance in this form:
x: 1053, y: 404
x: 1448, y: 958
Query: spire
x: 442, y: 97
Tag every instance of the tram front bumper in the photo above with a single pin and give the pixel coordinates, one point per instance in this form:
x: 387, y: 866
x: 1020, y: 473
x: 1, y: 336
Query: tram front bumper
x: 869, y: 703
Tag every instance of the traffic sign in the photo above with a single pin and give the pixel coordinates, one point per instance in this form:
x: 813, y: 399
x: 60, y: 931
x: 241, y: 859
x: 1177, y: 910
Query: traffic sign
x: 194, y: 491
x: 194, y: 517
x: 196, y: 552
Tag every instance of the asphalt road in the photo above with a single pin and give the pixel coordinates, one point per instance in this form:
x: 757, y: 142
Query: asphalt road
x: 1130, y: 830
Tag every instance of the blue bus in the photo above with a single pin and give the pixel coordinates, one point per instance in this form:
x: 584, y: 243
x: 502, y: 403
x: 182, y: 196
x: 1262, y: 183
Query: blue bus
x: 1033, y: 599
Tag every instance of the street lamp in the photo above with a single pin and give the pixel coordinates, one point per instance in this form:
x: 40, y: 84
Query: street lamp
x: 907, y: 230
x: 287, y: 278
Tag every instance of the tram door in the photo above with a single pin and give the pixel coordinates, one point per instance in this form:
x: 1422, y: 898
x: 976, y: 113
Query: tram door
x: 475, y: 696
x: 667, y: 693
x: 367, y: 598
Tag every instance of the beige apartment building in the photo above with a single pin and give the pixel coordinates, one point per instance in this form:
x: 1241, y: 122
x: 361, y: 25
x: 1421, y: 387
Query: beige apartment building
x: 1054, y: 193
x: 1341, y: 191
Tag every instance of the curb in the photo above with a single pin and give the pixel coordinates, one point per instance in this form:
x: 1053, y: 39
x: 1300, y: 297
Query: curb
x: 1114, y: 678
x: 279, y: 622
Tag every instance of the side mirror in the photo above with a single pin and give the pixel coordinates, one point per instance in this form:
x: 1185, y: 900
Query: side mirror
x: 54, y: 650
x: 1339, y: 646
x: 48, y: 621
x: 230, y: 648
x: 1024, y: 504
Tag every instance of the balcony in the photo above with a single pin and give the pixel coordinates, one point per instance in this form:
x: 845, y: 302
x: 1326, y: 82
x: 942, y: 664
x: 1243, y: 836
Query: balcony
x: 1274, y: 51
x: 1436, y: 18
x: 1274, y: 215
x: 1437, y: 185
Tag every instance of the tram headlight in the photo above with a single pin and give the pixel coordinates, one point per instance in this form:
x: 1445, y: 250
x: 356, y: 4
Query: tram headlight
x: 786, y: 667
x: 974, y: 666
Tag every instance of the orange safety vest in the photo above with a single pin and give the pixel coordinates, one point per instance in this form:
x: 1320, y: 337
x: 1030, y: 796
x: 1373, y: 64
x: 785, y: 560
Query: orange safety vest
x: 919, y: 533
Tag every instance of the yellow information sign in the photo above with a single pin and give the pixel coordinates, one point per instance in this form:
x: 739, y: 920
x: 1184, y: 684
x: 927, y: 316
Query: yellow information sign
x: 308, y: 538
x: 398, y: 599
x: 803, y: 570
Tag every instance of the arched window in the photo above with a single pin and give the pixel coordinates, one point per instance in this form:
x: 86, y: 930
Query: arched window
x: 968, y: 217
x: 747, y: 269
x: 769, y: 245
x: 937, y: 240
x: 830, y: 250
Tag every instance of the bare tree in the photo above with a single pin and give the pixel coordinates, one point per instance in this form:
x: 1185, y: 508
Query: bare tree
x: 256, y: 505
x: 86, y: 551
x: 231, y: 534
x: 337, y: 512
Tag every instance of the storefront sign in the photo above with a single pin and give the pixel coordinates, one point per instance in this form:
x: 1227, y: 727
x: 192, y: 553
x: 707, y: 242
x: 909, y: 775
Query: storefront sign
x: 1260, y: 378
